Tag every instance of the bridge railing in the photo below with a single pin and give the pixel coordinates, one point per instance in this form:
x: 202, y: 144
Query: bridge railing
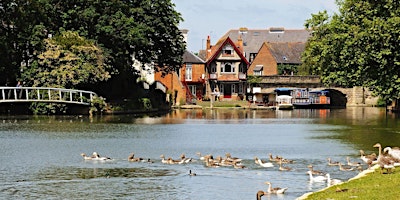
x: 45, y: 94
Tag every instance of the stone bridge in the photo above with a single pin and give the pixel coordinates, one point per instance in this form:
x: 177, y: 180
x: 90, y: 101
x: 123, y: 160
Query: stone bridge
x: 356, y: 96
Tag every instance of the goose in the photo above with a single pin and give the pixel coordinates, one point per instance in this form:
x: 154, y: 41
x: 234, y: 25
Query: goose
x: 332, y: 181
x: 276, y: 190
x: 385, y: 162
x: 260, y: 194
x: 353, y: 164
x: 185, y: 160
x: 163, y: 160
x: 96, y: 156
x: 191, y: 173
x: 370, y: 159
x: 315, y: 172
x: 203, y: 157
x: 211, y: 163
x: 330, y: 163
x: 228, y: 157
x: 345, y: 168
x: 276, y: 159
x: 132, y: 158
x: 394, y: 152
x: 238, y: 165
x: 85, y: 157
x: 283, y: 168
x: 316, y: 178
x: 262, y: 163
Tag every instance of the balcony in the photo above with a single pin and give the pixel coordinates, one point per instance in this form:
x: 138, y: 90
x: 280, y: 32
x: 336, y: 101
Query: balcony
x: 242, y: 76
x: 213, y: 76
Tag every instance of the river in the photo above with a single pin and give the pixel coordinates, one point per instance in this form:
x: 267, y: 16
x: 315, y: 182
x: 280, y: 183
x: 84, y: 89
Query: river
x: 40, y: 155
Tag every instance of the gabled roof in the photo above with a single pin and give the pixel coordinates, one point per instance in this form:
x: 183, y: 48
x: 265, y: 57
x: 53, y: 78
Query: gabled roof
x: 254, y: 38
x: 217, y: 48
x: 287, y: 53
x: 189, y: 57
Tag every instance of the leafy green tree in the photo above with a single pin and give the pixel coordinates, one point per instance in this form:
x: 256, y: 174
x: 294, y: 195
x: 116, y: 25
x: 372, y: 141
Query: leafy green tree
x: 69, y: 60
x: 358, y: 46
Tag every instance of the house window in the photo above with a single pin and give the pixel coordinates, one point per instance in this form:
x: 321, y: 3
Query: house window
x: 213, y: 69
x: 233, y: 88
x: 258, y: 70
x: 188, y: 73
x: 192, y: 89
x: 240, y: 88
x: 252, y: 56
x: 228, y: 51
x: 227, y: 67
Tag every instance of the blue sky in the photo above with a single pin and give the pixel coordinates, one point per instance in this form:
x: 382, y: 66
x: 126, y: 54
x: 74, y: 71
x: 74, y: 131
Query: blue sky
x: 216, y: 17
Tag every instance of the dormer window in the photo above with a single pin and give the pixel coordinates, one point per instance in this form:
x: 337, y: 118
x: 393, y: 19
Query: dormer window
x: 227, y: 51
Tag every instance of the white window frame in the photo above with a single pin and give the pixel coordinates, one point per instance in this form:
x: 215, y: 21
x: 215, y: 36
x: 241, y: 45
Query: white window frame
x: 233, y: 88
x: 224, y: 66
x: 188, y: 72
x: 192, y: 89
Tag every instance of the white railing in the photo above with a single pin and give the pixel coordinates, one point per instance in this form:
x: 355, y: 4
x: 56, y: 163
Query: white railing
x: 45, y: 94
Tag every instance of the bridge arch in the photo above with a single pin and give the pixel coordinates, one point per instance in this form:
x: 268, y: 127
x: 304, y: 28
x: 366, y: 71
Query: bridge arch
x: 45, y: 94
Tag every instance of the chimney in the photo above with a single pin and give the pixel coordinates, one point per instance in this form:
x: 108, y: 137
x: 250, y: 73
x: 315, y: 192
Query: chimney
x: 185, y: 35
x: 208, y: 47
x: 240, y: 43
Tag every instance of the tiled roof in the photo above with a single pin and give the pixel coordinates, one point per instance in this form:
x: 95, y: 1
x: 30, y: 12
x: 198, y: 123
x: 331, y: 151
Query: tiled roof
x: 189, y: 57
x: 287, y: 53
x: 254, y: 38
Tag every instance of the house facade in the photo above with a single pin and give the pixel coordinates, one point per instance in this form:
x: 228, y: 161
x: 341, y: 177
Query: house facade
x: 226, y: 69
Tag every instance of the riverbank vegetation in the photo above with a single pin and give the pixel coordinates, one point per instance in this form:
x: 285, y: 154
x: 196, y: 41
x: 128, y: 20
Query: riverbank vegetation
x: 87, y: 44
x: 374, y: 185
x: 357, y: 46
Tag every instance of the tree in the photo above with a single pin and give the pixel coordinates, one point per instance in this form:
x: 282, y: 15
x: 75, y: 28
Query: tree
x: 144, y: 29
x: 357, y: 46
x: 69, y: 60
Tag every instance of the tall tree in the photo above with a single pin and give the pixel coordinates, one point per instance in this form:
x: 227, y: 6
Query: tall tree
x: 358, y: 46
x: 144, y: 29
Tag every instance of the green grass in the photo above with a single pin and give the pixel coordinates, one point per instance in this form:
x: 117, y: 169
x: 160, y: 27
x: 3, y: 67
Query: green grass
x: 372, y: 186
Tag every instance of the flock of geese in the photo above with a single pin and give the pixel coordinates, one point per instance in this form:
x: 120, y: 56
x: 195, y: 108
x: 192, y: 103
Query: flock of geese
x: 387, y: 159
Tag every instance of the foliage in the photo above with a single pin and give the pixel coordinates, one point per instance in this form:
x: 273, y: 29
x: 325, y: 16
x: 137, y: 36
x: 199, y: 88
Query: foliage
x: 69, y: 60
x: 145, y: 103
x: 253, y: 79
x: 39, y: 108
x: 357, y: 46
x: 287, y: 69
x: 98, y: 104
x: 145, y: 29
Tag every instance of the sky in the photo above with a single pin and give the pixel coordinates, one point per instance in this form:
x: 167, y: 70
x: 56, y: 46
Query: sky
x: 214, y: 18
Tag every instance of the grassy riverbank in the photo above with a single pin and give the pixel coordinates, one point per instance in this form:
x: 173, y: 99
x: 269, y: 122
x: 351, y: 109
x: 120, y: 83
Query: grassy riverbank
x: 373, y: 185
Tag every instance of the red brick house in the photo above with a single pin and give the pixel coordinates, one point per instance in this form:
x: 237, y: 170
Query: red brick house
x: 226, y: 69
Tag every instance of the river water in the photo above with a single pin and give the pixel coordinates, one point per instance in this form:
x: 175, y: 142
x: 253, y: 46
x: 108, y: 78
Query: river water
x: 40, y: 156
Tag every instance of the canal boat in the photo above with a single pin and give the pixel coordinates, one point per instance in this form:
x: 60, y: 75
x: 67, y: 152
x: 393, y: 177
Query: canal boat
x: 284, y: 102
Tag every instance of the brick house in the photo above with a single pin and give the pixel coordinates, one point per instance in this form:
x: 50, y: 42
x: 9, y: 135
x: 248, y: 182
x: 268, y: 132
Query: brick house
x: 226, y: 69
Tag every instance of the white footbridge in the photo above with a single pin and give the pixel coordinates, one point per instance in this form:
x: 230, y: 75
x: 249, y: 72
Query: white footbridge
x: 45, y: 94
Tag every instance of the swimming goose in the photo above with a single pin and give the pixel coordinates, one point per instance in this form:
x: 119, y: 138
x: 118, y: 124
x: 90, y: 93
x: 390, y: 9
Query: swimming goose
x: 330, y: 181
x: 191, y: 173
x: 85, y: 157
x: 228, y: 157
x: 185, y: 160
x: 283, y: 168
x: 262, y: 163
x: 163, y: 160
x: 210, y: 163
x: 276, y: 159
x: 370, y: 159
x: 315, y: 172
x: 100, y: 158
x: 345, y: 168
x: 203, y: 157
x: 260, y: 194
x: 316, y: 178
x: 385, y: 162
x: 353, y: 164
x: 276, y: 190
x: 331, y: 163
x: 132, y: 158
x: 394, y: 152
